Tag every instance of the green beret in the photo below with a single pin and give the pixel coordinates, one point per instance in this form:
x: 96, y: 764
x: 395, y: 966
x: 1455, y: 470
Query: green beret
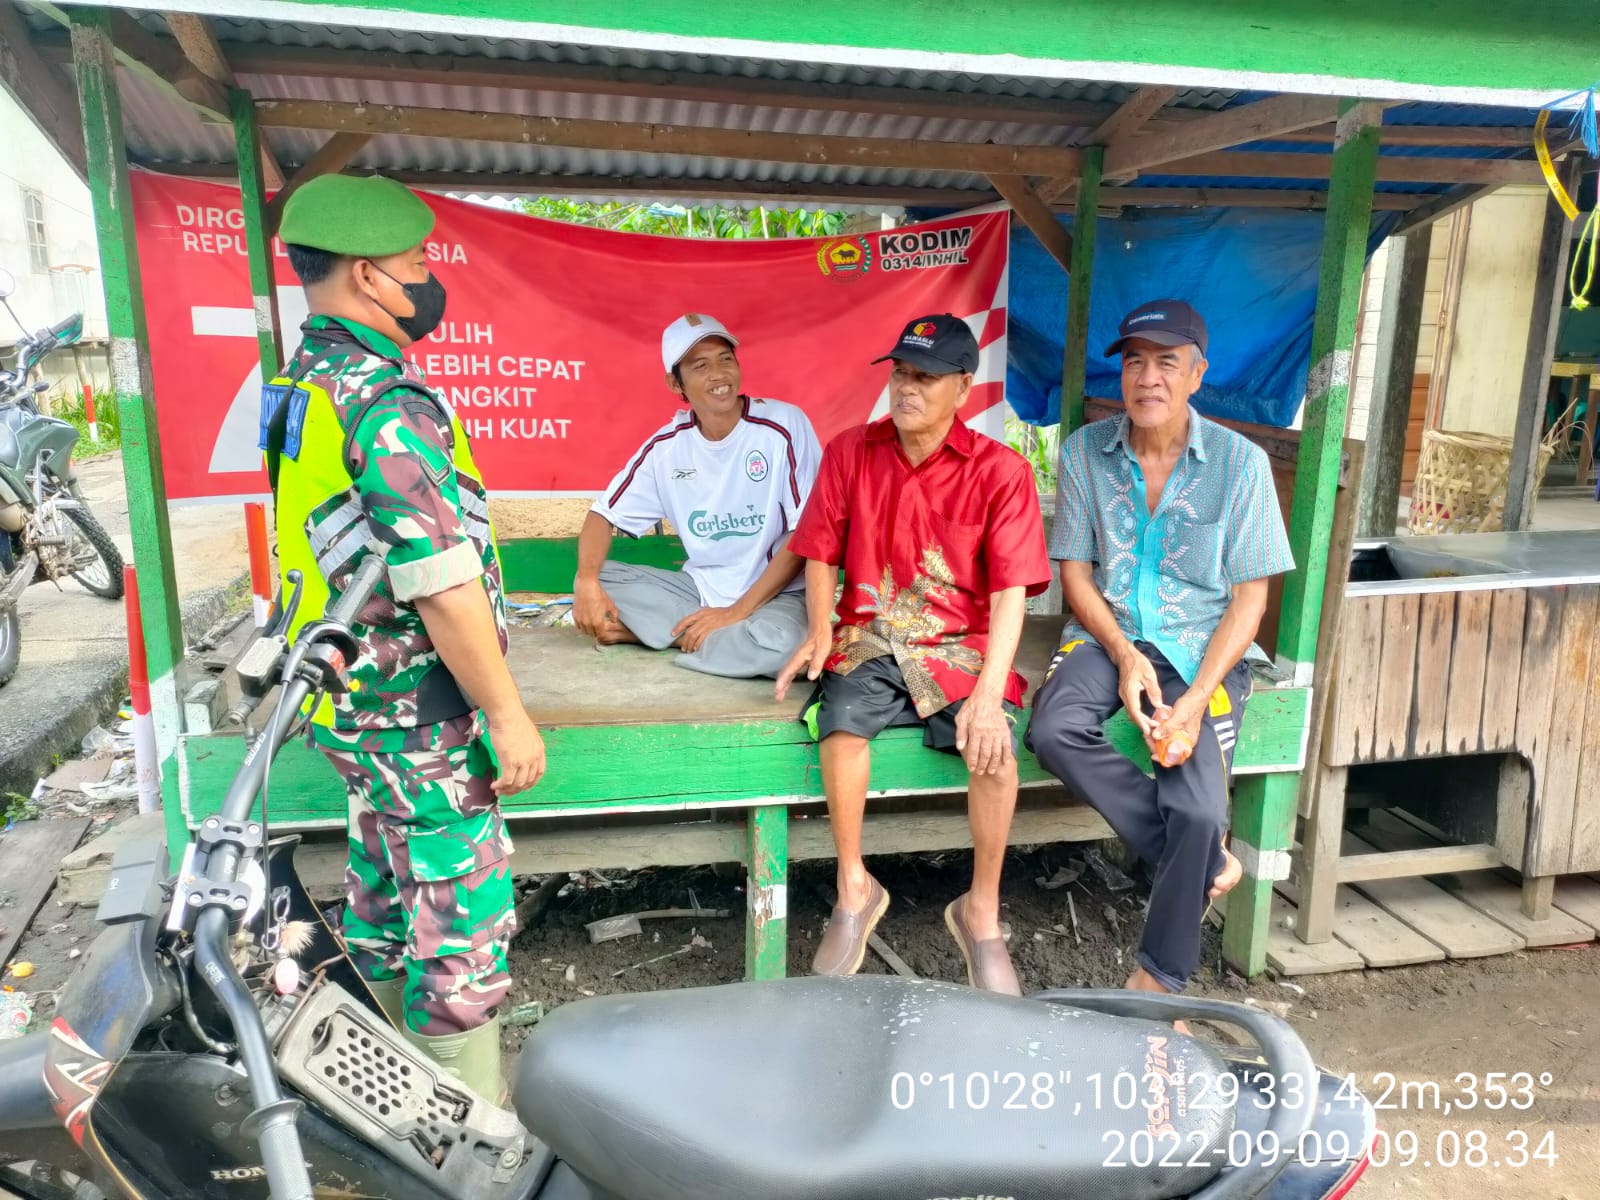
x: 367, y: 216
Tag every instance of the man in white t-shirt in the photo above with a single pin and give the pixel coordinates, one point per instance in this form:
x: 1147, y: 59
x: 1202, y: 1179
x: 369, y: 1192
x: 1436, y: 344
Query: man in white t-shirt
x: 732, y: 476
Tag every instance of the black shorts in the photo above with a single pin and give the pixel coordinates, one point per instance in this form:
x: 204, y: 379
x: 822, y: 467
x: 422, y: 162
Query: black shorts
x: 874, y: 697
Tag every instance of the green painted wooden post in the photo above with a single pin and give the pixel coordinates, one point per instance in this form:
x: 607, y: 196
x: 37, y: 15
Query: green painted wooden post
x: 1074, y: 363
x: 1264, y: 806
x: 258, y: 237
x: 766, y: 935
x: 1333, y: 334
x: 94, y: 61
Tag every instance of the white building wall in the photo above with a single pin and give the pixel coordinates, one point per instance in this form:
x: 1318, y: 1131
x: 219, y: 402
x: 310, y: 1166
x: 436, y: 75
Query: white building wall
x: 70, y: 281
x: 72, y: 278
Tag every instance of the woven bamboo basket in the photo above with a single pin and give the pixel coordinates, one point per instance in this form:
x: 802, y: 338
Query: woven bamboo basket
x: 1461, y: 482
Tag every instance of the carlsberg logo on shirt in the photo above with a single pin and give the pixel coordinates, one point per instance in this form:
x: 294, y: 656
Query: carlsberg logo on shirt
x: 716, y: 526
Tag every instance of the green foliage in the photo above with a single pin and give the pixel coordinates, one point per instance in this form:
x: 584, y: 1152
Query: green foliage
x: 1040, y: 445
x: 107, y: 419
x: 700, y: 221
x: 17, y: 807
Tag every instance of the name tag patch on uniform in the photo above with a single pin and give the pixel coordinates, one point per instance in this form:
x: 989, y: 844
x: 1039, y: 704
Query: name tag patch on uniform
x: 273, y: 397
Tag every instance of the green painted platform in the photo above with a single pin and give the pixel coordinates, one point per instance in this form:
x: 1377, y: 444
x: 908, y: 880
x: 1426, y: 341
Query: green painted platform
x: 627, y: 731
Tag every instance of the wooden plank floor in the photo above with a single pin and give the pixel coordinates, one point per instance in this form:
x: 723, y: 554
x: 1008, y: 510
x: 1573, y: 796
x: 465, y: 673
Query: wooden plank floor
x: 1288, y: 955
x: 1579, y: 896
x: 567, y: 680
x: 1377, y: 937
x: 1488, y: 892
x: 1399, y: 922
x: 29, y: 853
x: 1459, y: 929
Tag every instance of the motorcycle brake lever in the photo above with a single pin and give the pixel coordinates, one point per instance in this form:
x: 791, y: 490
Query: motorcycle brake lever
x: 291, y: 606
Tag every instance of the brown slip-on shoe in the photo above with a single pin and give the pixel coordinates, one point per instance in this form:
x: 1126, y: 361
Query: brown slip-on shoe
x: 988, y: 962
x: 844, y: 944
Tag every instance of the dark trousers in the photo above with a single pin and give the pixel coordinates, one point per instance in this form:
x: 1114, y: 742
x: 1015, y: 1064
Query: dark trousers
x: 1174, y: 821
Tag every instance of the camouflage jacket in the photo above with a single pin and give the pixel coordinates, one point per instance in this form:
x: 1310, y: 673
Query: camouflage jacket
x: 433, y: 520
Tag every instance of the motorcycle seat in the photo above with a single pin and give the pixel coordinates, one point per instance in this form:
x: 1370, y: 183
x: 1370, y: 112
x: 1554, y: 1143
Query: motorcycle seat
x: 873, y: 1088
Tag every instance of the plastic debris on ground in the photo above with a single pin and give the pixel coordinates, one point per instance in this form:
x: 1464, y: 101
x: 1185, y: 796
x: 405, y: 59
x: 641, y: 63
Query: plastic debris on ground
x: 90, y: 786
x: 16, y: 1011
x: 537, y: 615
x: 1063, y: 876
x: 74, y: 775
x: 1109, y: 873
x: 99, y: 741
x: 526, y: 1014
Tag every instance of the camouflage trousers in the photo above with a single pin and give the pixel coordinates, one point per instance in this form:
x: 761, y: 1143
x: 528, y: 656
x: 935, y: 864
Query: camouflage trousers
x: 428, y: 888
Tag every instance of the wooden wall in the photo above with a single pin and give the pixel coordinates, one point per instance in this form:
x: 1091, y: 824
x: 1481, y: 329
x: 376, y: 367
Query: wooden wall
x: 1452, y: 673
x: 1417, y: 422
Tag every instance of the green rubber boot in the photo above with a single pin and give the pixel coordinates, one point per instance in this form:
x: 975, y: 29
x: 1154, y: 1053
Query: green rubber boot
x: 472, y: 1057
x: 390, y: 995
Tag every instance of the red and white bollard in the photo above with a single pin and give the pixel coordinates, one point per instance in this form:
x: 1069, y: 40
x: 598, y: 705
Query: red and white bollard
x: 255, y: 525
x: 88, y: 414
x: 147, y: 768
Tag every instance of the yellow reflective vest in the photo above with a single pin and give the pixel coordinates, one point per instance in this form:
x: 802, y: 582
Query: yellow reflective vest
x: 307, y: 448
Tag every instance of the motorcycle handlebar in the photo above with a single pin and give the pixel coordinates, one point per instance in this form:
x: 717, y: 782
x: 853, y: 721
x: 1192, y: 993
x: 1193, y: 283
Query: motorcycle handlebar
x: 247, y: 783
x: 273, y: 1121
x: 358, y: 591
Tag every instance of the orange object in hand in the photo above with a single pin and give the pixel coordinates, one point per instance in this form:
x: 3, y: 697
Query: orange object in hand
x: 1174, y: 749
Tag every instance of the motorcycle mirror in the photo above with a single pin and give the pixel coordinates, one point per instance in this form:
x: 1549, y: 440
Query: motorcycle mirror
x: 8, y: 283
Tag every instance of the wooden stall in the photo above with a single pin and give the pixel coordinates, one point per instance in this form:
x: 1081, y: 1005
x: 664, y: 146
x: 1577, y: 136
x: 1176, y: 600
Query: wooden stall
x: 1455, y: 647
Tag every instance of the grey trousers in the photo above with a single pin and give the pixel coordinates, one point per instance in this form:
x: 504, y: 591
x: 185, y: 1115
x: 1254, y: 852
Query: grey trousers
x: 1174, y: 821
x: 651, y: 601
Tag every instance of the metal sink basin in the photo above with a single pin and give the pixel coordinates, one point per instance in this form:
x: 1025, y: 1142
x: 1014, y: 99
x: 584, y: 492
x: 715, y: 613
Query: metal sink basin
x: 1385, y: 562
x: 1423, y: 567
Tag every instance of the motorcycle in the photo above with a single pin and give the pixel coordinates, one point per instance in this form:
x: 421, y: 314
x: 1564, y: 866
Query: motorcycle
x: 47, y: 531
x: 218, y: 1042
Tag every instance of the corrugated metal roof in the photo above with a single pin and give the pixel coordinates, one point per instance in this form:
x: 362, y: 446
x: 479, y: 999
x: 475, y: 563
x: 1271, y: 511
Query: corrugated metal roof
x: 254, y: 32
x: 164, y: 131
x: 350, y: 37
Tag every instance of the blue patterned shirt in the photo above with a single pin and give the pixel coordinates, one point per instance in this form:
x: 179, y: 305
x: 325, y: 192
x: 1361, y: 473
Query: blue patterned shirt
x: 1168, y: 576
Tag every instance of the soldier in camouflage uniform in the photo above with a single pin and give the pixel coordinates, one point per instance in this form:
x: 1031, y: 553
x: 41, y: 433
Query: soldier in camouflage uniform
x: 365, y: 459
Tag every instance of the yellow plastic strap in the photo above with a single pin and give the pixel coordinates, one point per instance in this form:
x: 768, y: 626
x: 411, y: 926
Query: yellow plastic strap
x: 1580, y: 295
x: 1542, y: 148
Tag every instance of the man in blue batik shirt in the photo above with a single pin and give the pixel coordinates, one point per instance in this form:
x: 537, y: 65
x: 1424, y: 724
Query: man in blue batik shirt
x: 1167, y: 529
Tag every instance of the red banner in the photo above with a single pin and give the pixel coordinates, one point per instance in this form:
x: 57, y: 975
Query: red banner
x: 550, y: 347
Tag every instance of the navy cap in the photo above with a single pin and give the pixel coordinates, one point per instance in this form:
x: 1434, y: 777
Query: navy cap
x: 939, y: 345
x: 1164, y: 322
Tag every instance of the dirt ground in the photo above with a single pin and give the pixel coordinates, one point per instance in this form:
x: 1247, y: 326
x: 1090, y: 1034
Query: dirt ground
x: 1450, y: 1024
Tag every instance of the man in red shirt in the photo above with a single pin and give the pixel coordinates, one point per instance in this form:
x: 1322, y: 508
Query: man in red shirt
x: 941, y: 539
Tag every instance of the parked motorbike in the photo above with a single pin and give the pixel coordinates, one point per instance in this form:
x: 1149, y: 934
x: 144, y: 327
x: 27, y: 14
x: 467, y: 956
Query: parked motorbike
x: 47, y: 531
x: 217, y: 1042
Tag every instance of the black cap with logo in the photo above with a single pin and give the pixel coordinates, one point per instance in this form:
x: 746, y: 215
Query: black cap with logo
x: 939, y: 345
x: 1164, y: 322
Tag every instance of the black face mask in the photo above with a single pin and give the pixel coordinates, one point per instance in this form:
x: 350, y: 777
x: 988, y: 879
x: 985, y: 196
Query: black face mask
x: 427, y: 306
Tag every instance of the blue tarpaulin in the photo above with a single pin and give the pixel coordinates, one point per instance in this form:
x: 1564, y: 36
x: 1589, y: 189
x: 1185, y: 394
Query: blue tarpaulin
x: 1252, y: 274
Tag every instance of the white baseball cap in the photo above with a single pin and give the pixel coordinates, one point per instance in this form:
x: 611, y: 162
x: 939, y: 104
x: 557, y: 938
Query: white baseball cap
x: 680, y: 337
